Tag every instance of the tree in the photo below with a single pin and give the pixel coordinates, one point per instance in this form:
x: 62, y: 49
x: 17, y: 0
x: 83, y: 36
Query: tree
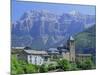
x: 30, y: 68
x: 88, y: 64
x: 16, y: 66
x: 21, y: 67
x: 13, y: 70
x: 85, y: 64
x: 73, y: 66
x: 43, y: 68
x: 51, y: 67
x: 64, y: 65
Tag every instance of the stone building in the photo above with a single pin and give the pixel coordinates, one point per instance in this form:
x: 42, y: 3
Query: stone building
x: 68, y: 52
x: 34, y: 56
x: 82, y: 57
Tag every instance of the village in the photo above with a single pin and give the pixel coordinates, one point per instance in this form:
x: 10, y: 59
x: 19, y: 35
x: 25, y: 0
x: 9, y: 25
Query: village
x: 49, y: 56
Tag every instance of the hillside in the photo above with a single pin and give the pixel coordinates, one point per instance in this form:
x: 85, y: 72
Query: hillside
x: 86, y: 41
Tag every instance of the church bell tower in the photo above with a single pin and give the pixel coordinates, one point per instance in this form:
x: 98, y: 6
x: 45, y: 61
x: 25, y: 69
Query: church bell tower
x: 71, y: 47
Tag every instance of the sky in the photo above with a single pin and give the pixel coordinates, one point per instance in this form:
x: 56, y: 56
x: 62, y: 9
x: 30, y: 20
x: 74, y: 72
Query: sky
x: 19, y: 7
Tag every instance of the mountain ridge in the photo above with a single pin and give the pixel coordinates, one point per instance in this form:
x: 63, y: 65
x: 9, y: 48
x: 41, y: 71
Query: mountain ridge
x: 43, y: 29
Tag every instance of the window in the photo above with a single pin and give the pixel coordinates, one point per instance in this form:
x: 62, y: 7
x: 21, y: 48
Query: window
x: 40, y: 60
x: 35, y: 60
x: 18, y: 55
x: 30, y: 58
x: 45, y: 58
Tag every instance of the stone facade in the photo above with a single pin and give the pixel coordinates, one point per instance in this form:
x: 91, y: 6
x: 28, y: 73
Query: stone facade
x: 66, y: 56
x: 82, y: 57
x: 33, y: 56
x: 71, y: 48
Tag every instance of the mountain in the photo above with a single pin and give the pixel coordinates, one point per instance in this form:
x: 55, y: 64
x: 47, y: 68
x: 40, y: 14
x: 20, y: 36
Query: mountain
x: 41, y: 29
x: 86, y: 41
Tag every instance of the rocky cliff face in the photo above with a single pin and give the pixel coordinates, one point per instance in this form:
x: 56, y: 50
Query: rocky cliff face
x: 42, y: 29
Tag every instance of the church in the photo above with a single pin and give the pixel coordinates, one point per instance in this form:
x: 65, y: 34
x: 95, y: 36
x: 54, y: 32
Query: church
x: 69, y: 52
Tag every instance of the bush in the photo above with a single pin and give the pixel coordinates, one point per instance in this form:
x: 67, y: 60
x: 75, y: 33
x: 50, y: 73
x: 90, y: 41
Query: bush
x: 85, y: 65
x: 73, y: 66
x: 16, y: 67
x: 51, y: 67
x: 21, y: 67
x: 43, y: 68
x: 30, y: 68
x: 64, y: 65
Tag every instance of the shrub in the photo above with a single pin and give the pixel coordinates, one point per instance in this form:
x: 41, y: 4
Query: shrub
x: 16, y: 67
x: 85, y: 64
x: 43, y: 68
x: 21, y: 67
x: 30, y: 68
x: 64, y: 65
x: 51, y: 67
x: 73, y: 66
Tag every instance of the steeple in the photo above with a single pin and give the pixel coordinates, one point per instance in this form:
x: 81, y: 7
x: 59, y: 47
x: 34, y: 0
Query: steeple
x: 71, y: 38
x: 71, y: 47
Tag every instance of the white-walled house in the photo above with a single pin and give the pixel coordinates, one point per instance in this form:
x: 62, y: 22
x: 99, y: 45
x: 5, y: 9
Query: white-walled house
x: 34, y: 56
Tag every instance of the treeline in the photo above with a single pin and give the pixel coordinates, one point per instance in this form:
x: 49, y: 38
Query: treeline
x: 22, y: 67
x: 86, y: 41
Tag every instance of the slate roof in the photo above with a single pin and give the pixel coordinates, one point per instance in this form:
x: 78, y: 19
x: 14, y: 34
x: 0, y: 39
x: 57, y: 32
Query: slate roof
x: 36, y: 52
x: 52, y: 49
